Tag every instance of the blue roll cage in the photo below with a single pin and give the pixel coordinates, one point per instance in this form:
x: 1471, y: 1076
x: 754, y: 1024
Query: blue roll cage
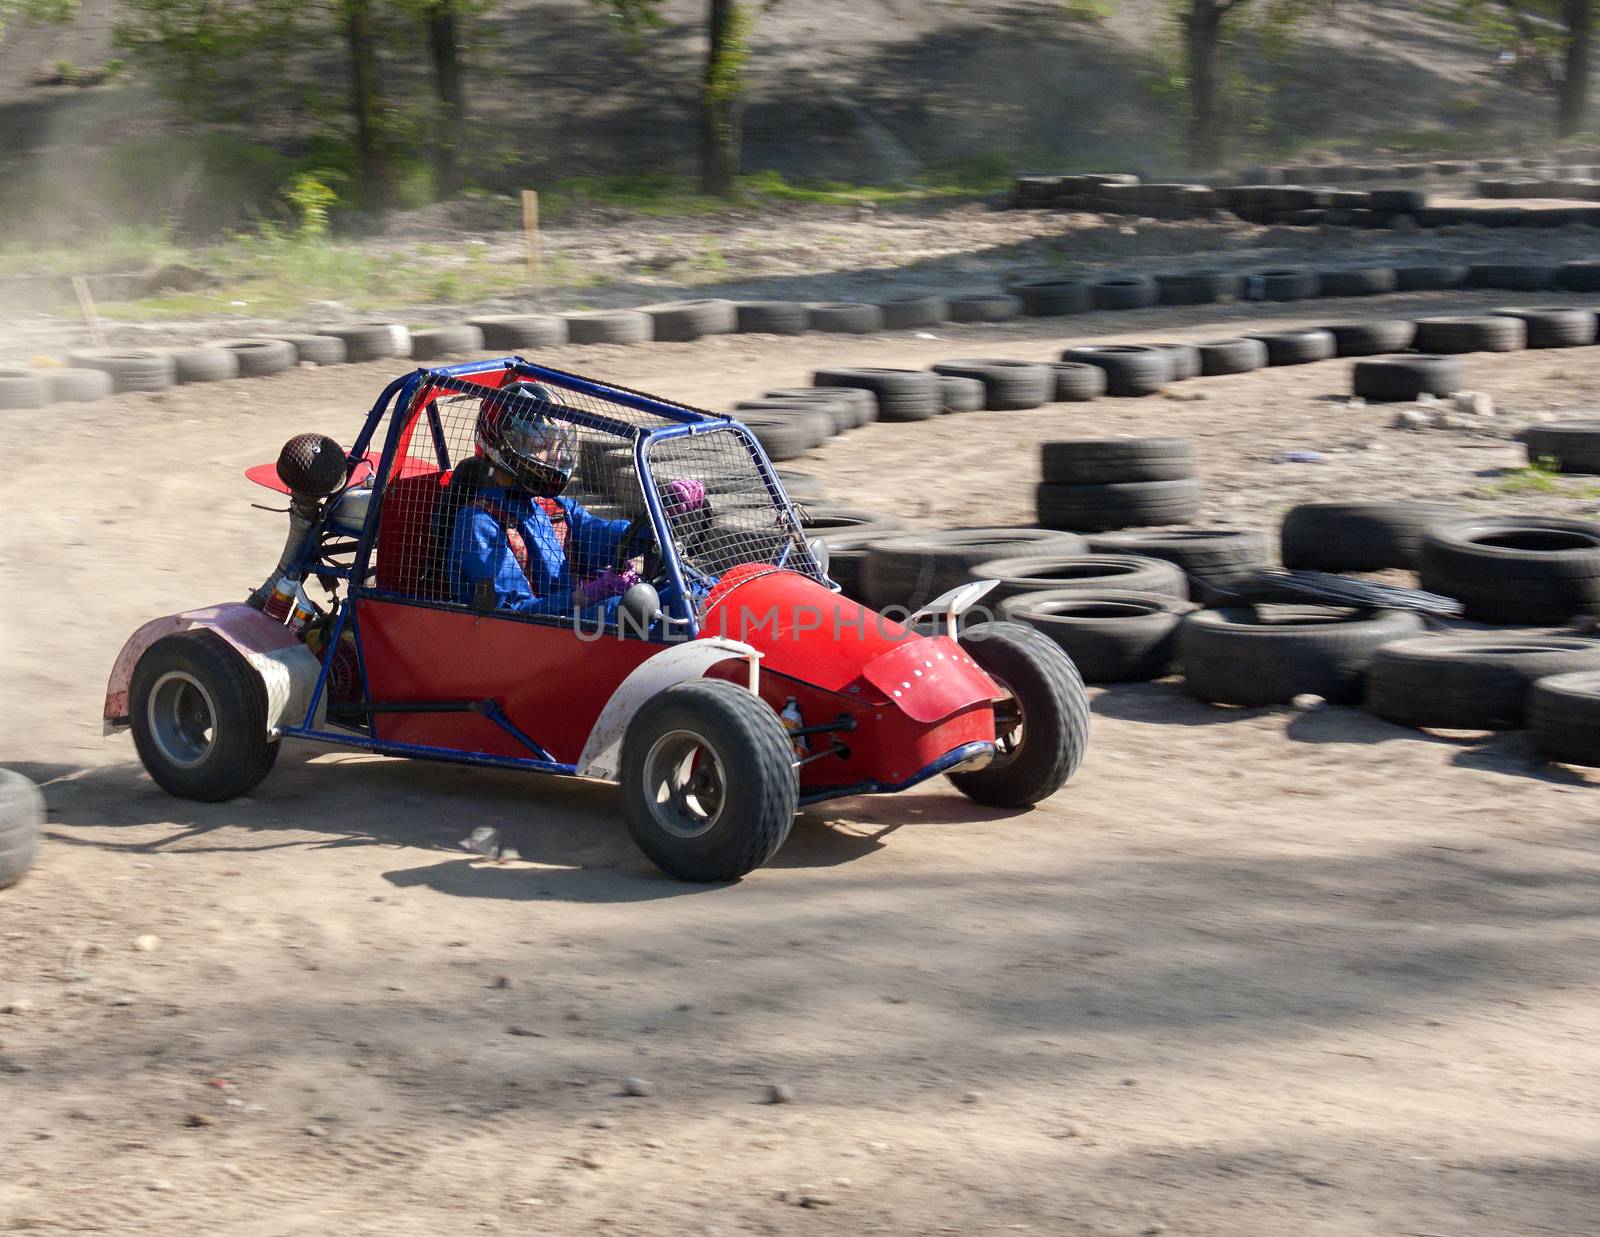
x: 396, y: 399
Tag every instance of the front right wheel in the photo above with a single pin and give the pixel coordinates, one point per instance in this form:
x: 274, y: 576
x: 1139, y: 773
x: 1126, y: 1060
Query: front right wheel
x: 709, y: 788
x: 1042, y: 723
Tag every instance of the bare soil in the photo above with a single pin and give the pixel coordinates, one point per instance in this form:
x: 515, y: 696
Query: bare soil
x: 1251, y: 972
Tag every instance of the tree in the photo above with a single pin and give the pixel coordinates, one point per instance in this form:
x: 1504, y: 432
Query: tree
x: 443, y: 21
x: 1210, y: 28
x: 728, y: 27
x: 1538, y: 32
x: 366, y: 106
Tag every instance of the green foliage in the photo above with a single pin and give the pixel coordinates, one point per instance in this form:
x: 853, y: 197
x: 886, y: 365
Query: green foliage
x: 1541, y: 476
x: 199, y: 51
x: 1088, y: 10
x: 35, y: 10
x: 66, y: 71
x: 725, y: 77
x: 312, y: 200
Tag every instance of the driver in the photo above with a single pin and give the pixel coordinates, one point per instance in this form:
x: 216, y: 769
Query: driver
x: 518, y: 537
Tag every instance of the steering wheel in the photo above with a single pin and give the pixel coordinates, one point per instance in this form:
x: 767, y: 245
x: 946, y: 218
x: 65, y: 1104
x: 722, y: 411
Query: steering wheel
x: 641, y: 530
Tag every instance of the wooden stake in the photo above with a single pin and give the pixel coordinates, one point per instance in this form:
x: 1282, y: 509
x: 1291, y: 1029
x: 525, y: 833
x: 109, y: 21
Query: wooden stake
x: 91, y: 319
x: 530, y: 233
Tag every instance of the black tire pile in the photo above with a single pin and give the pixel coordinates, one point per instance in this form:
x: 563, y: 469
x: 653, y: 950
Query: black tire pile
x: 1099, y: 484
x: 1132, y: 606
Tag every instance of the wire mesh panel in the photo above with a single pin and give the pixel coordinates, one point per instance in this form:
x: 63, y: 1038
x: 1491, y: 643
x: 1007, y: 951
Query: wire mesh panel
x: 740, y: 521
x: 528, y: 499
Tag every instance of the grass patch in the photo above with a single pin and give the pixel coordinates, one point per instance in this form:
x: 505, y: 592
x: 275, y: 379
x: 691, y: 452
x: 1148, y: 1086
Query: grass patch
x: 1542, y: 476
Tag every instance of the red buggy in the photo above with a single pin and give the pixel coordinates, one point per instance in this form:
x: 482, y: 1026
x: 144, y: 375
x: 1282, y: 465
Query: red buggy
x: 733, y: 684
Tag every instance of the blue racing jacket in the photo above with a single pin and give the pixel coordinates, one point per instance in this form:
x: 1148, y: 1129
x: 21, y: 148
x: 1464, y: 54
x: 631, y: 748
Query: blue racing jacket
x: 480, y: 550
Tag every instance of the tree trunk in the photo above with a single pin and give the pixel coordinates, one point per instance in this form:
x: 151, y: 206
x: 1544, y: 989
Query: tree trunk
x: 366, y: 106
x: 445, y: 47
x: 721, y: 101
x: 1203, y: 44
x: 1573, y: 102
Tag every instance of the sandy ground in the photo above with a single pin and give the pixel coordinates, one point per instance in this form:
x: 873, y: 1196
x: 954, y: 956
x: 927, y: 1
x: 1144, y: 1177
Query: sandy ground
x: 1251, y: 972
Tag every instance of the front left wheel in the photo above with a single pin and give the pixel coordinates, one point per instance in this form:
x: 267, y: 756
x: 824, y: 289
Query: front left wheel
x: 1042, y: 725
x: 709, y: 788
x: 199, y: 715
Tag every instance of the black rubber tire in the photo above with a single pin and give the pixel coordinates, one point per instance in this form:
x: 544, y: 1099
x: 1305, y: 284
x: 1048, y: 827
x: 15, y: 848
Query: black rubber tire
x: 1431, y: 278
x: 841, y: 416
x: 848, y: 552
x: 1009, y: 385
x: 1097, y: 573
x: 1371, y: 338
x: 1487, y: 333
x: 786, y: 435
x: 683, y: 321
x: 1055, y: 712
x: 1515, y: 569
x: 824, y: 519
x: 1384, y: 379
x: 1119, y: 504
x: 1126, y: 292
x: 1185, y: 360
x: 907, y: 313
x: 1111, y: 635
x: 1214, y: 559
x: 1555, y: 327
x: 985, y: 307
x: 802, y: 487
x: 861, y: 406
x: 1259, y: 655
x: 1296, y: 347
x: 1131, y: 369
x: 1399, y: 201
x: 435, y: 343
x: 1518, y: 276
x: 240, y: 753
x: 131, y: 370
x: 1078, y: 382
x: 22, y: 815
x: 760, y: 791
x: 771, y: 317
x: 1096, y: 461
x: 913, y: 568
x: 1359, y: 536
x: 23, y: 388
x: 1573, y: 446
x: 205, y: 364
x: 610, y: 326
x: 261, y: 358
x: 1563, y: 712
x: 1051, y: 298
x: 1288, y: 285
x: 844, y: 318
x: 1197, y: 287
x: 65, y: 386
x: 962, y: 394
x: 514, y: 331
x: 902, y: 394
x: 316, y: 349
x: 371, y: 341
x: 1359, y: 281
x: 1470, y: 682
x: 1231, y: 356
x: 1582, y: 276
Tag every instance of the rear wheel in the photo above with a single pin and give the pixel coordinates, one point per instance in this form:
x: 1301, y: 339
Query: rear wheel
x: 199, y: 714
x: 1041, y: 727
x: 708, y: 782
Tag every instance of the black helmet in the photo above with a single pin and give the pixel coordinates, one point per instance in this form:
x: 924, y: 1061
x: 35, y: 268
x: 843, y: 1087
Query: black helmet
x: 517, y: 435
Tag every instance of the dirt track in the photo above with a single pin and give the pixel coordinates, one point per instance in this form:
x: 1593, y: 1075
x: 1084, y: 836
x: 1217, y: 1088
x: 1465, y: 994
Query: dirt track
x: 1250, y: 973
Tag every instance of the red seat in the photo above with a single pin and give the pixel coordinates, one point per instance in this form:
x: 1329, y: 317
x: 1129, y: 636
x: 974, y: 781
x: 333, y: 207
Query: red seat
x: 406, y: 551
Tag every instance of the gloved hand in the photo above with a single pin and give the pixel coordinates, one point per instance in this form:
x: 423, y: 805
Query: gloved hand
x: 684, y: 495
x: 608, y: 584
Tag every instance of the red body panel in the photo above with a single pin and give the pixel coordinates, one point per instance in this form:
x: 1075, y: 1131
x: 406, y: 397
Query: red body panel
x: 548, y: 682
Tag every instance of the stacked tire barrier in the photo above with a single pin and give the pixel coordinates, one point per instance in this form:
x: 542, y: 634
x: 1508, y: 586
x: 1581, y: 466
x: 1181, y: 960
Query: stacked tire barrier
x: 1100, y: 484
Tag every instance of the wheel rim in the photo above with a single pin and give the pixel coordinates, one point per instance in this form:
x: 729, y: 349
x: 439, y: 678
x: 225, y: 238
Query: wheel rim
x: 182, y: 717
x: 684, y: 784
x: 1010, y: 726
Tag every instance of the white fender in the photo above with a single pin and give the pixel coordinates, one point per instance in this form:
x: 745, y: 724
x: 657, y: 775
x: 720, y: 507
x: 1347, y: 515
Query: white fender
x: 287, y: 668
x: 953, y: 605
x: 680, y: 663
